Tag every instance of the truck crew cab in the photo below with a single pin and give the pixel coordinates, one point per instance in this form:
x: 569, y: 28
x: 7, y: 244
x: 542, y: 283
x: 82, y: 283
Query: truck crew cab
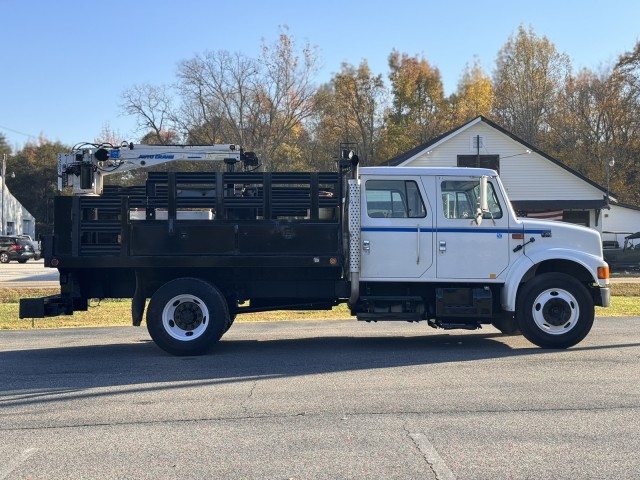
x: 413, y: 244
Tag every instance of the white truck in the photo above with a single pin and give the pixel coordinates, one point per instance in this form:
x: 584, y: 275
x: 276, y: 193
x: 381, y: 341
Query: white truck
x: 442, y: 246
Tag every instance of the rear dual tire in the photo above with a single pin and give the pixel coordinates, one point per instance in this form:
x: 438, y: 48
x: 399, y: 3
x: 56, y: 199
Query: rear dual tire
x: 187, y: 316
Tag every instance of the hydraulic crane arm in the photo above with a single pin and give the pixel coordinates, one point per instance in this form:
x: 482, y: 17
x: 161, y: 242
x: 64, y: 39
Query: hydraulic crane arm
x: 84, y: 168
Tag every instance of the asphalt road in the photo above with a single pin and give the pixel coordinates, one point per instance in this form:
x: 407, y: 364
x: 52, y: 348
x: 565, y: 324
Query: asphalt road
x: 320, y: 400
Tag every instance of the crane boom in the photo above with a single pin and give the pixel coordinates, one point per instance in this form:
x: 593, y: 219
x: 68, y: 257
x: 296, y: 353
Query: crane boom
x: 85, y: 166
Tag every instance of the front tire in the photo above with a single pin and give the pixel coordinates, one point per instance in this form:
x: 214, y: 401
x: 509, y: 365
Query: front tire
x: 4, y: 257
x: 187, y: 316
x: 554, y: 310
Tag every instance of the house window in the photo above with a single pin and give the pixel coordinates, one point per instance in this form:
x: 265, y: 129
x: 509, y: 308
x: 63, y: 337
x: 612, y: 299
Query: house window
x: 579, y: 217
x: 10, y: 228
x: 26, y: 227
x: 482, y: 161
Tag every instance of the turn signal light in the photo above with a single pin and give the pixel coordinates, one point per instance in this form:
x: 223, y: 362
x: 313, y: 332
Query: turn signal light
x: 603, y: 273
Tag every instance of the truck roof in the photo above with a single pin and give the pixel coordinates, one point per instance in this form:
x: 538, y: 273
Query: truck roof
x: 435, y: 171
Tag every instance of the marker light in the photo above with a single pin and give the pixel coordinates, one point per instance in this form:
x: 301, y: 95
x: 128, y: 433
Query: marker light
x: 603, y: 273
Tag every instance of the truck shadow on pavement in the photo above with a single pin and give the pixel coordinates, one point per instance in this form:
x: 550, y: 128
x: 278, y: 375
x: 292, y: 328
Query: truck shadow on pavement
x: 62, y: 374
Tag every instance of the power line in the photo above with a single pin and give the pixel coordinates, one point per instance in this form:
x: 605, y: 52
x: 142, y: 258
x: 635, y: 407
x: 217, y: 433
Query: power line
x: 17, y: 131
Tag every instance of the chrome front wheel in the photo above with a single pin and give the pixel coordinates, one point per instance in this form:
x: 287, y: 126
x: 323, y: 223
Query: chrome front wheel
x: 554, y: 310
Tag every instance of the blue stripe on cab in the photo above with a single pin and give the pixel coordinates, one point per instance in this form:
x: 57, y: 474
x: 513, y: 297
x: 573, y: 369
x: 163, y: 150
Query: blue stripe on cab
x: 452, y: 230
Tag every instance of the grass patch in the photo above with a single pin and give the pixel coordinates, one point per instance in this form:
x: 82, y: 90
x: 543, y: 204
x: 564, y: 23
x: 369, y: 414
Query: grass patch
x: 117, y: 312
x: 625, y: 289
x: 109, y: 313
x: 620, y: 307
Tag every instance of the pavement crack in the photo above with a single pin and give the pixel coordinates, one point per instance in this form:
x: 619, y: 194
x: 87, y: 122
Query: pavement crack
x: 245, y: 407
x: 436, y: 464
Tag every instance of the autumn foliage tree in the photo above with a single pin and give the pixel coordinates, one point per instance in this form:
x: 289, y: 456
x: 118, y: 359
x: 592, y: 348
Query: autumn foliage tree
x: 626, y: 79
x: 271, y: 105
x: 473, y: 97
x: 417, y: 104
x: 349, y: 110
x: 529, y: 76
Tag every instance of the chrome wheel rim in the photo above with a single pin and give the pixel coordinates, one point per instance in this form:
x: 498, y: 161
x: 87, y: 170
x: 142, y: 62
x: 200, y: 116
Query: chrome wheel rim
x: 555, y: 311
x: 185, y: 317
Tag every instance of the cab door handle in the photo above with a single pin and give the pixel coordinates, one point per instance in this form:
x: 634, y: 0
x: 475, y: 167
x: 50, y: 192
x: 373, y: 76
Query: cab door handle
x: 366, y: 246
x: 442, y: 247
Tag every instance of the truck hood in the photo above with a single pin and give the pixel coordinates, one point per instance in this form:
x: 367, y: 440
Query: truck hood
x: 564, y: 235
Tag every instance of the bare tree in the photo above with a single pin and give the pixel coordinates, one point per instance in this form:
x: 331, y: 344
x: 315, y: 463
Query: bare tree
x: 217, y: 90
x: 628, y: 66
x: 107, y: 135
x: 151, y: 105
x: 228, y: 97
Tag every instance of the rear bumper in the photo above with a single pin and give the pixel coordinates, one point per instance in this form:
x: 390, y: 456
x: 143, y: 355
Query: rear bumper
x: 51, y: 306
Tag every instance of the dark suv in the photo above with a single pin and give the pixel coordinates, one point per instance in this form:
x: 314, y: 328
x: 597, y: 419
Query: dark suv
x: 15, y: 248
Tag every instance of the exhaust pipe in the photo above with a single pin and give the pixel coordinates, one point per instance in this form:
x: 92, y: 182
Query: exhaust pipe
x: 354, y: 239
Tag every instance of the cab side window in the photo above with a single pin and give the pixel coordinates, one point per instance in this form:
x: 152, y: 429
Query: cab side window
x: 394, y: 199
x: 461, y: 199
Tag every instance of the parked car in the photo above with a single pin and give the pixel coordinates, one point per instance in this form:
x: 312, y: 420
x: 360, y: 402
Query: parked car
x: 15, y: 248
x: 627, y: 257
x: 34, y: 244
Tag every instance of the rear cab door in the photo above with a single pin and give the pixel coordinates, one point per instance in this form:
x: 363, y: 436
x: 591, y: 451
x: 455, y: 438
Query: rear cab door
x: 396, y: 228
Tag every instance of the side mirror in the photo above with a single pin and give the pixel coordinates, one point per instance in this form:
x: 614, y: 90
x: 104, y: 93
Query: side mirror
x: 484, y: 200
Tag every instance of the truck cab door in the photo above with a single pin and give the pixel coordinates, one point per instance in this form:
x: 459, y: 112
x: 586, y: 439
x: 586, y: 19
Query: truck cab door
x: 396, y: 229
x: 464, y: 248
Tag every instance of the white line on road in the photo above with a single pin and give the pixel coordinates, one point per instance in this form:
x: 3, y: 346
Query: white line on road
x: 8, y: 469
x: 440, y: 469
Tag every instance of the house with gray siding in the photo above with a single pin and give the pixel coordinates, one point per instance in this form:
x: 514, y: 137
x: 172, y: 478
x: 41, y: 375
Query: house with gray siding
x: 14, y: 218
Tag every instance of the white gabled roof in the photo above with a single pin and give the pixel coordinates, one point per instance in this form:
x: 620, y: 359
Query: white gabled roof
x: 528, y: 174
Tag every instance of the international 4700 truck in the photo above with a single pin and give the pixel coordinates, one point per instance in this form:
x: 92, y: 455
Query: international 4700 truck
x: 438, y: 245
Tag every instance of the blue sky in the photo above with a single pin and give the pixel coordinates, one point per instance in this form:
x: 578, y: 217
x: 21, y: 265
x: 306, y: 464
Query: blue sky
x: 65, y: 63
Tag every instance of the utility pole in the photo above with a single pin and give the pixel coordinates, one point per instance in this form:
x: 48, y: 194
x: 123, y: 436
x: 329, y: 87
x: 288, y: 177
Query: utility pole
x: 608, y: 165
x: 4, y: 187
